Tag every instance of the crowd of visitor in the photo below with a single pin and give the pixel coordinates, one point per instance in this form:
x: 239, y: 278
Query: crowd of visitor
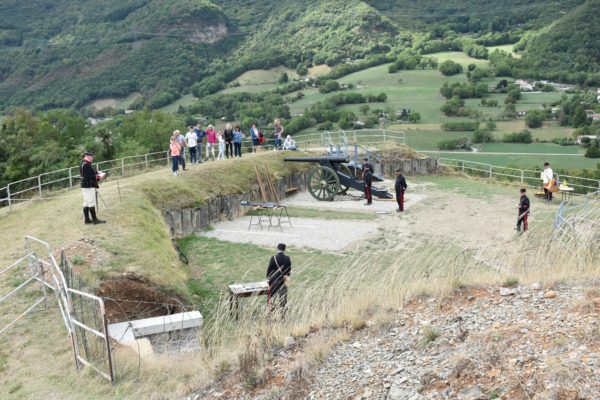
x: 229, y: 143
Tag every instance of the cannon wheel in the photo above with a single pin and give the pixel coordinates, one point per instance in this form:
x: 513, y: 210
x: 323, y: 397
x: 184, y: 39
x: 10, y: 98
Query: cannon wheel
x: 323, y: 183
x: 347, y: 171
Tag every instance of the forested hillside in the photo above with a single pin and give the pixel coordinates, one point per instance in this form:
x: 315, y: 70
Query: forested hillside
x: 62, y: 53
x: 66, y: 53
x: 569, y: 50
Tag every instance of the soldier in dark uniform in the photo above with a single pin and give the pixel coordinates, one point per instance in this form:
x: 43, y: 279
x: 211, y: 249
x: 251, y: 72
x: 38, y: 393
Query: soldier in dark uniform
x: 523, y: 211
x: 368, y: 179
x: 89, y: 184
x: 278, y: 274
x: 400, y: 187
x: 367, y: 166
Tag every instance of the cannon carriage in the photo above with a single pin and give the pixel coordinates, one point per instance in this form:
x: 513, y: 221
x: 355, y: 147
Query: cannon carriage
x: 335, y: 175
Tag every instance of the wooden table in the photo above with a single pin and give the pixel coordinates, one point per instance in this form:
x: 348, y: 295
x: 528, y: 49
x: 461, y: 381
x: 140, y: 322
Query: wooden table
x: 566, y: 192
x: 238, y: 290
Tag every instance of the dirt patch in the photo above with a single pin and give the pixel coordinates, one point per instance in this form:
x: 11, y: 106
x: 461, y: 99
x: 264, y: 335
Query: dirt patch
x: 82, y: 254
x: 131, y: 297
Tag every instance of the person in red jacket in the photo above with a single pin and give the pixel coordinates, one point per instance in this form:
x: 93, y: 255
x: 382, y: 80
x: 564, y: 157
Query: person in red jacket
x: 211, y: 140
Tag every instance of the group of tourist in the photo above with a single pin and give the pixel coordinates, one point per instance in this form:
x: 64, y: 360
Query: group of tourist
x: 229, y: 142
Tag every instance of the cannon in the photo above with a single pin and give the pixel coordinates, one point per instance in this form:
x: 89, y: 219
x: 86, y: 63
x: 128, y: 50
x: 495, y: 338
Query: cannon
x: 334, y: 175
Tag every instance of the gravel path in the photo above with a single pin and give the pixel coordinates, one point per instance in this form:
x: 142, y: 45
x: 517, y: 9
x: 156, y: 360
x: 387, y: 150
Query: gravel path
x: 353, y: 202
x: 305, y: 232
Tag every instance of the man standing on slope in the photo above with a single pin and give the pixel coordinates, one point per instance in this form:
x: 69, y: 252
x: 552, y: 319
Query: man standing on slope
x: 523, y: 211
x: 400, y: 187
x: 89, y: 184
x: 278, y: 274
x: 548, y: 179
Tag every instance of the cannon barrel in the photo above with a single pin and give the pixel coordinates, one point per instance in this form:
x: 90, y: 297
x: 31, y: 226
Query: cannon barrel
x: 331, y: 159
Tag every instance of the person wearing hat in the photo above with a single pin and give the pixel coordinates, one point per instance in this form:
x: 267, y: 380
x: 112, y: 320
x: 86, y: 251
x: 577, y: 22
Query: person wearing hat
x: 89, y: 184
x: 400, y: 187
x: 278, y: 275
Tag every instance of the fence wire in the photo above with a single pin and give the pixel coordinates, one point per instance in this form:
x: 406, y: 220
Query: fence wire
x: 577, y: 225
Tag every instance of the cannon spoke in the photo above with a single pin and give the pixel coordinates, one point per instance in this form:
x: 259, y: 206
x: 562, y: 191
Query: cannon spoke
x: 323, y: 183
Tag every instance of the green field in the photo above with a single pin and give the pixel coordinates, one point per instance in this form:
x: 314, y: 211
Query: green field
x: 522, y: 161
x: 128, y: 101
x: 182, y: 101
x: 507, y: 48
x: 259, y: 80
x: 458, y: 57
x: 417, y: 90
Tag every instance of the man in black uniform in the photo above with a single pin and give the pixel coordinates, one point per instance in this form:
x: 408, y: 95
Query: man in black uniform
x: 400, y: 187
x: 523, y: 211
x: 368, y: 178
x: 278, y: 274
x: 89, y: 184
x: 366, y: 165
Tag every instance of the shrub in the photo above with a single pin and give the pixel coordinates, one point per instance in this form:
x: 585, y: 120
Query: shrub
x: 283, y: 78
x: 518, y: 137
x: 449, y: 68
x: 454, y: 144
x: 489, y: 103
x: 510, y: 282
x: 460, y: 125
x: 328, y: 86
x: 429, y: 335
x: 414, y: 117
x: 454, y: 107
x: 301, y: 69
x: 534, y: 118
x: 594, y: 150
x: 482, y: 136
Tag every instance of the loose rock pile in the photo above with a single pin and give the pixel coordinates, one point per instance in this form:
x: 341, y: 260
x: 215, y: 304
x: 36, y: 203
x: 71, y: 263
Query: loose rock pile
x: 528, y: 343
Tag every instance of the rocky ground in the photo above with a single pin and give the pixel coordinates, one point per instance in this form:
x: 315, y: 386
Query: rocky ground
x: 525, y: 342
x: 521, y: 343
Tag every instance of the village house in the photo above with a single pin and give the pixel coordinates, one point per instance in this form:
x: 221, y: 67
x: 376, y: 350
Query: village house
x: 524, y: 85
x: 580, y: 137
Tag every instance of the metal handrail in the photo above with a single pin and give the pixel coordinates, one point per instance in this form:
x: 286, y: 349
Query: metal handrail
x: 522, y: 175
x: 65, y: 178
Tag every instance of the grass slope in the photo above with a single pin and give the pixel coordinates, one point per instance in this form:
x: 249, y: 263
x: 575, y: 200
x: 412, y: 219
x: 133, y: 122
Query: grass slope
x: 136, y: 236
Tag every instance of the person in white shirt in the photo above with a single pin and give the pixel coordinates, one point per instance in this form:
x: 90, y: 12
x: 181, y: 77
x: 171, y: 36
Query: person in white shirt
x: 221, y: 141
x: 548, y: 179
x: 289, y: 143
x: 191, y: 138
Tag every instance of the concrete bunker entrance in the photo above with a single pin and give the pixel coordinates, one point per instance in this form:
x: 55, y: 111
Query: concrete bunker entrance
x: 146, y: 319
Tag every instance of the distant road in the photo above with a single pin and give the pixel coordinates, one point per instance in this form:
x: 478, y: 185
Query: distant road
x: 502, y: 154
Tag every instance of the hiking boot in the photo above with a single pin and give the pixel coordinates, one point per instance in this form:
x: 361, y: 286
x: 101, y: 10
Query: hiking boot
x: 368, y: 203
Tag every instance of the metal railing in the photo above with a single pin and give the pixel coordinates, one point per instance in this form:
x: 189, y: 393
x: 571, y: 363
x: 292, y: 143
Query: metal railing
x: 43, y: 269
x: 524, y: 177
x: 363, y: 137
x: 576, y: 225
x: 41, y: 186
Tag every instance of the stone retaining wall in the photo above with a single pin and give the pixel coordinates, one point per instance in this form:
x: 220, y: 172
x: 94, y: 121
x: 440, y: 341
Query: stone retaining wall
x: 227, y: 207
x: 190, y: 220
x: 416, y: 166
